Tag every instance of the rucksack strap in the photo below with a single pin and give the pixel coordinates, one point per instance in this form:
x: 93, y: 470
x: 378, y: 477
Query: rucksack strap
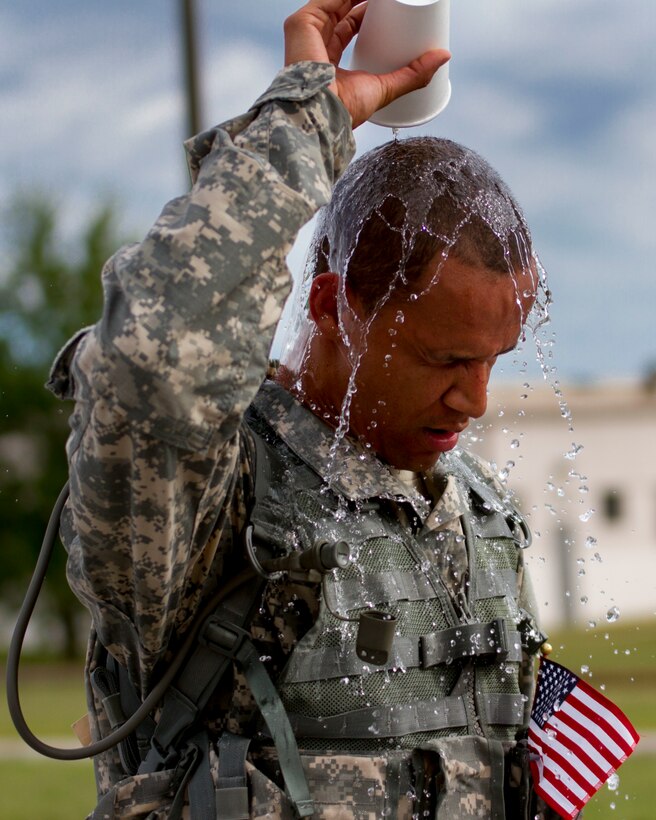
x: 219, y: 644
x: 236, y: 643
x: 222, y: 641
x: 111, y: 682
x: 232, y: 786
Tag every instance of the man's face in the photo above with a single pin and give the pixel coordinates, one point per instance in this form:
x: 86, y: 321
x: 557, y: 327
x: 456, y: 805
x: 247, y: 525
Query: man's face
x: 422, y: 365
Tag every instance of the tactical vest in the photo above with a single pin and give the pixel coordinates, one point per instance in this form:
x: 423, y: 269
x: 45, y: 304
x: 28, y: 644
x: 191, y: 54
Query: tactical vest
x: 454, y: 665
x: 449, y: 688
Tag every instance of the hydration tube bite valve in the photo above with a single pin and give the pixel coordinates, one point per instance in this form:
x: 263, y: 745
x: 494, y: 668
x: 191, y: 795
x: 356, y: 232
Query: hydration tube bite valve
x: 322, y: 557
x: 375, y: 629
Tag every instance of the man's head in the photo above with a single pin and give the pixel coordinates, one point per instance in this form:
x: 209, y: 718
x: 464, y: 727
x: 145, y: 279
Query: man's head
x: 422, y: 274
x: 404, y: 202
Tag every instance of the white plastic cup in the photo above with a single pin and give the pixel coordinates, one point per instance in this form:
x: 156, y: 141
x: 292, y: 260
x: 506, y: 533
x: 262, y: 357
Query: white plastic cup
x: 393, y: 33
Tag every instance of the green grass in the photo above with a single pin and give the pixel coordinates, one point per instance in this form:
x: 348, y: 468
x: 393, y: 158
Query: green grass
x: 53, y: 697
x: 622, y: 663
x: 633, y: 799
x: 46, y: 789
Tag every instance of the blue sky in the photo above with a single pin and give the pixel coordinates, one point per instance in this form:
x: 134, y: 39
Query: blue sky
x: 560, y: 96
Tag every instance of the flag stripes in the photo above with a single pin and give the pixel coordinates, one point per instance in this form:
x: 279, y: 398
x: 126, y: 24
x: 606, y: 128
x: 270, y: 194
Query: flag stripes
x: 562, y: 756
x: 577, y: 738
x: 607, y: 711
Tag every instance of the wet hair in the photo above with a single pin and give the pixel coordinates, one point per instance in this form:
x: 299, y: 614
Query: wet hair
x: 400, y: 205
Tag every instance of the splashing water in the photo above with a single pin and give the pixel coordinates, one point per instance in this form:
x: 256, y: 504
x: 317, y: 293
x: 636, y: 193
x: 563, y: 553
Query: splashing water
x: 613, y: 614
x: 456, y: 182
x: 613, y: 782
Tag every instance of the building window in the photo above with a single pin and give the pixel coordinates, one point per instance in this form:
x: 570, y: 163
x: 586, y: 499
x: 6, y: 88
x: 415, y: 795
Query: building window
x: 613, y: 505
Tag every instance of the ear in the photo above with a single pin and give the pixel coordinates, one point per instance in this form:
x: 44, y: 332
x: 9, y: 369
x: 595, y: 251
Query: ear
x: 323, y: 302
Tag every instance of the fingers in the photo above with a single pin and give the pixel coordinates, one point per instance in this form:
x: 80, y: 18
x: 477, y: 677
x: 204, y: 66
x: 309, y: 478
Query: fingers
x: 345, y: 31
x: 309, y: 30
x: 415, y: 75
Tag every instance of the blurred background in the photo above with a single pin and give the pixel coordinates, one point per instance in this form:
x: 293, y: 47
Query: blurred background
x: 95, y: 101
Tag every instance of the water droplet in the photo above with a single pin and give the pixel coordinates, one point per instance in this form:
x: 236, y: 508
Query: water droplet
x: 585, y: 669
x: 514, y: 443
x: 613, y: 614
x: 576, y: 449
x: 590, y: 542
x: 613, y: 782
x: 584, y: 598
x: 399, y: 318
x: 586, y: 516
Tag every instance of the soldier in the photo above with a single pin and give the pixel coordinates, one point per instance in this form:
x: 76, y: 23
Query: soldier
x: 312, y: 505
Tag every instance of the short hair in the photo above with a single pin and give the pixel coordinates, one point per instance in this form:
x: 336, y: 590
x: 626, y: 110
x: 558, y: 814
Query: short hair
x: 399, y: 205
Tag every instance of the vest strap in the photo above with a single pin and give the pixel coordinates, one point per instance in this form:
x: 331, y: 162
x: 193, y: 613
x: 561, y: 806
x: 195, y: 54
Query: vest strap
x: 385, y: 721
x: 496, y: 584
x: 493, y: 640
x: 232, y: 785
x: 235, y: 643
x: 201, y: 791
x: 420, y: 716
x: 356, y: 593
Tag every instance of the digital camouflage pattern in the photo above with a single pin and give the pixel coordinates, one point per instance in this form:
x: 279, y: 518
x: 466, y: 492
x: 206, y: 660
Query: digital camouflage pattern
x: 343, y: 787
x: 159, y: 462
x: 162, y: 381
x: 158, y: 470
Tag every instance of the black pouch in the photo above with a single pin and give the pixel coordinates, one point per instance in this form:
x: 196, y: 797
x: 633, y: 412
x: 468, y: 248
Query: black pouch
x: 522, y: 802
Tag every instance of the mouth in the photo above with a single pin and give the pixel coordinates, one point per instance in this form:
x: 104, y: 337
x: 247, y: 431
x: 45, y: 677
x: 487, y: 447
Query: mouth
x: 442, y: 440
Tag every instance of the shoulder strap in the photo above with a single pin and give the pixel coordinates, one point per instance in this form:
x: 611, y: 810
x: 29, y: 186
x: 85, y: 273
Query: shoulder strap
x: 224, y: 639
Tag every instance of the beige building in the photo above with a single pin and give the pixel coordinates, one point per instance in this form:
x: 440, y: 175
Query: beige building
x: 588, y: 489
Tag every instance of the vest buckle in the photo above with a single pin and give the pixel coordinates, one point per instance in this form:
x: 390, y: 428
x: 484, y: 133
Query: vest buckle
x: 224, y: 638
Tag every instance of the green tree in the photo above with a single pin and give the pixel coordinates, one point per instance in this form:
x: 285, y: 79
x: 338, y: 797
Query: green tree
x: 48, y: 289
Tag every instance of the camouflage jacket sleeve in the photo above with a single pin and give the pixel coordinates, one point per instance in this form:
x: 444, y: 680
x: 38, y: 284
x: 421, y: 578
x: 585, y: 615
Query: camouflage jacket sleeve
x: 162, y: 381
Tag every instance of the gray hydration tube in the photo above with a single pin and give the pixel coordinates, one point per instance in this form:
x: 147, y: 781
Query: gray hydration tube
x: 18, y: 637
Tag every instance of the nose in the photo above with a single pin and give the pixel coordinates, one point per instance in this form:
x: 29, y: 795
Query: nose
x: 468, y: 392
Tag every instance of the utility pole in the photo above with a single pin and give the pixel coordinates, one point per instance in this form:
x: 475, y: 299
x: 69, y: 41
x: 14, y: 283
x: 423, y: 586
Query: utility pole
x: 190, y: 58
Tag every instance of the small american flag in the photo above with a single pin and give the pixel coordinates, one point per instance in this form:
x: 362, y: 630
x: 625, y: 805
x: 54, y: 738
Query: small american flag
x: 577, y: 738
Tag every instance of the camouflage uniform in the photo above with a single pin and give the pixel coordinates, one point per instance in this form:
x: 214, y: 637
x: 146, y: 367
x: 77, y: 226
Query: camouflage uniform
x: 159, y: 466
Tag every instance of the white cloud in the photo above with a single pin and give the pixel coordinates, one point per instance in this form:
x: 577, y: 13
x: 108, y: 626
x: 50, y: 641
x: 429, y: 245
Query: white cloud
x: 236, y: 76
x: 558, y: 95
